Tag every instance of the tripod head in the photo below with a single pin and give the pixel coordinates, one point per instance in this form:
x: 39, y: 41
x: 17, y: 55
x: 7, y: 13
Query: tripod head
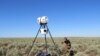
x: 43, y: 20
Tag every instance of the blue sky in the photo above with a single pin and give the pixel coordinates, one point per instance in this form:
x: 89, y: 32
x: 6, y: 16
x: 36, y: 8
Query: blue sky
x: 18, y: 18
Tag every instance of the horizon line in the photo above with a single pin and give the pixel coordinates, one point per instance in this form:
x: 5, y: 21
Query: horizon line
x: 49, y: 36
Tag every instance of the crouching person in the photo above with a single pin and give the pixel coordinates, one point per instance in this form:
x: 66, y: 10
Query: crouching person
x: 66, y: 46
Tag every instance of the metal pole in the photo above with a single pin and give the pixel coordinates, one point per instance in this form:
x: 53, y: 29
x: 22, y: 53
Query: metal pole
x: 46, y: 45
x: 45, y: 40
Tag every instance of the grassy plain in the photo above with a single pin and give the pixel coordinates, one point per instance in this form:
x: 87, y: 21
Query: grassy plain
x: 82, y: 46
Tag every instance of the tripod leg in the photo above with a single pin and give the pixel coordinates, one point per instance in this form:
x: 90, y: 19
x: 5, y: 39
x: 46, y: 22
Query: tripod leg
x: 46, y: 44
x: 50, y: 35
x: 34, y: 41
x: 52, y: 39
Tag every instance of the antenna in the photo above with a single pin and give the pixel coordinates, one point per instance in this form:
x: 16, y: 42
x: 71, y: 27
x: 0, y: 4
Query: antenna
x: 42, y: 21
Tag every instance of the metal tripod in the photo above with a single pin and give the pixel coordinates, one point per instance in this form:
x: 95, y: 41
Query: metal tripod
x: 44, y: 26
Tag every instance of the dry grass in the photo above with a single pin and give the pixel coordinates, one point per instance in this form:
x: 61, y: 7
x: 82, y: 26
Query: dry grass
x: 21, y: 46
